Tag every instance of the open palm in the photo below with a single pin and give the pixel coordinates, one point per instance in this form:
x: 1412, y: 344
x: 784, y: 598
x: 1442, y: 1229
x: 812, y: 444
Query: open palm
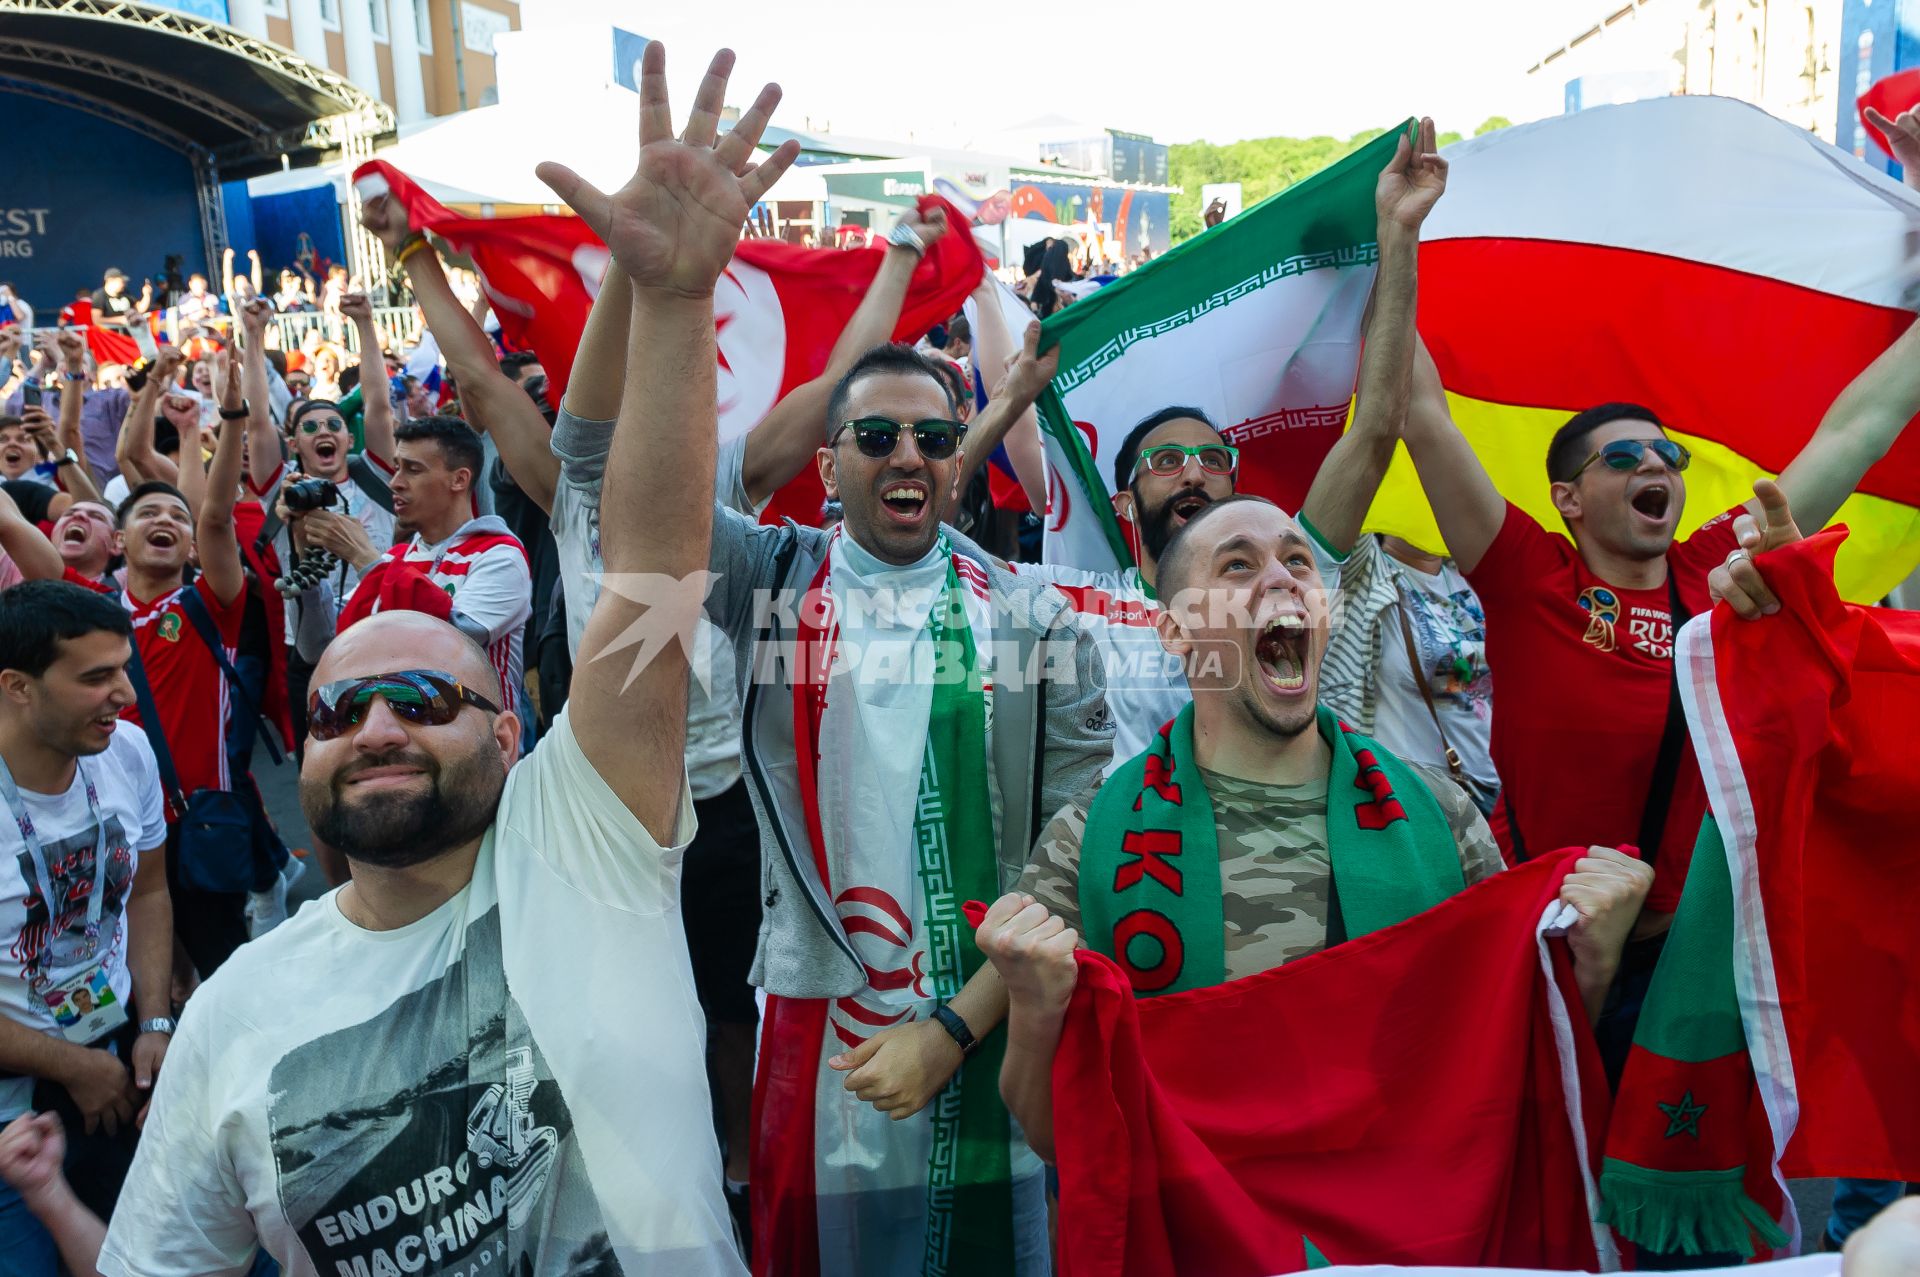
x: 1413, y: 180
x: 673, y: 227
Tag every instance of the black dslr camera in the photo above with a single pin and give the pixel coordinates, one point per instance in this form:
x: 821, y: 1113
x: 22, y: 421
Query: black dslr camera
x: 303, y: 495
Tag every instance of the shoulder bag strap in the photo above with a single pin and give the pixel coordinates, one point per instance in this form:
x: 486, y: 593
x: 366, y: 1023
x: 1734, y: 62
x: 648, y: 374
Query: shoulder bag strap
x: 371, y: 481
x: 1454, y: 767
x: 1666, y: 764
x: 150, y: 724
x: 202, y: 621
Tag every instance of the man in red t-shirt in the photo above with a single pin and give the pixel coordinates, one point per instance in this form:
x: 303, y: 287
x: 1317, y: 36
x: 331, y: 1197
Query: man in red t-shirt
x: 159, y: 533
x: 1581, y: 632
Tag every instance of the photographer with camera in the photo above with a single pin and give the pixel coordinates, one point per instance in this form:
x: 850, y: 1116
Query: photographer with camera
x: 326, y: 481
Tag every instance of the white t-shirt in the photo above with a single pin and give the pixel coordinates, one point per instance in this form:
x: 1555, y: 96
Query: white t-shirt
x: 713, y: 711
x: 127, y: 780
x: 1450, y: 632
x: 514, y: 1083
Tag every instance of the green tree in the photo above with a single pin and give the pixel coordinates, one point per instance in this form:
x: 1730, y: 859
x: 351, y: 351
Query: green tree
x: 1261, y: 165
x: 1491, y: 123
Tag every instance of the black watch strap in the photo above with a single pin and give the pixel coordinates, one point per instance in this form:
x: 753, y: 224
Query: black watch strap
x: 235, y: 414
x: 957, y: 1029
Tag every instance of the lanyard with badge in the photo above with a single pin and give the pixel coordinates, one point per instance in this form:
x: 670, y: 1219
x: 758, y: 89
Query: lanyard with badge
x: 83, y: 1007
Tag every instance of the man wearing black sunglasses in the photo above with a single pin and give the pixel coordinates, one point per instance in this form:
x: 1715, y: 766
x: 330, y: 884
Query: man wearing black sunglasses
x: 1588, y: 734
x: 487, y: 1046
x: 887, y: 796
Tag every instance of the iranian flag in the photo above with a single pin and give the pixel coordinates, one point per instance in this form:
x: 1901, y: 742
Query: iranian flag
x: 1693, y: 254
x: 778, y: 310
x: 1256, y: 322
x: 1428, y: 1093
x: 1781, y: 1037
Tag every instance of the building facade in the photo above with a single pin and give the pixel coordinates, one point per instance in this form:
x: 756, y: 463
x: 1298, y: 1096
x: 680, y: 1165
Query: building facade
x: 1781, y: 56
x: 421, y: 57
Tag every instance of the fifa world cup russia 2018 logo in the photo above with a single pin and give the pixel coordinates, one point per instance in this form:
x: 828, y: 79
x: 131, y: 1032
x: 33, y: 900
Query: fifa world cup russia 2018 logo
x: 1602, y: 607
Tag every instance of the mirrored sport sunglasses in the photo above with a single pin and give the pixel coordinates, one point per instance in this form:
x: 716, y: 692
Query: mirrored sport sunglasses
x: 428, y: 698
x: 877, y: 437
x: 1171, y: 458
x: 1625, y: 454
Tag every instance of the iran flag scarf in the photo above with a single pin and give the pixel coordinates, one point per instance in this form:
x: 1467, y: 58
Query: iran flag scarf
x: 1781, y: 1037
x: 818, y: 1149
x: 1150, y: 867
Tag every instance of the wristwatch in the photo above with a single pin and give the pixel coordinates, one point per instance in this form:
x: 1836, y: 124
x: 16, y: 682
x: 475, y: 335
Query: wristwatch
x: 67, y: 459
x: 159, y: 1024
x: 957, y: 1029
x: 904, y: 236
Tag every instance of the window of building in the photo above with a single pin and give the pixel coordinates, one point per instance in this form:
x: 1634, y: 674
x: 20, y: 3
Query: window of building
x: 377, y: 10
x: 422, y: 22
x: 276, y: 8
x: 330, y: 14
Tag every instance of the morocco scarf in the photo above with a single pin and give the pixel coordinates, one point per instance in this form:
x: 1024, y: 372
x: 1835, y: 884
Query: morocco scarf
x: 1780, y: 1037
x: 969, y: 1199
x: 1156, y: 910
x: 1427, y: 1093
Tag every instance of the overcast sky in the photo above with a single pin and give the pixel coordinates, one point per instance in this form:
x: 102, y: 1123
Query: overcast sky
x: 947, y: 73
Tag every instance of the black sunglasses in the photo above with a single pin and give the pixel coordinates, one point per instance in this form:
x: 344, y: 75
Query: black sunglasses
x: 877, y: 437
x: 429, y: 698
x: 1625, y: 454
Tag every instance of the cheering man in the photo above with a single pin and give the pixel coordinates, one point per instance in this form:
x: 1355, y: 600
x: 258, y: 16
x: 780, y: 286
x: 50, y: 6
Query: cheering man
x: 1256, y: 768
x: 449, y: 1097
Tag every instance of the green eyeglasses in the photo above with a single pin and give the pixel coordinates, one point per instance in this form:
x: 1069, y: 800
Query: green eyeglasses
x: 877, y: 437
x: 430, y: 698
x: 1169, y: 459
x: 1625, y: 454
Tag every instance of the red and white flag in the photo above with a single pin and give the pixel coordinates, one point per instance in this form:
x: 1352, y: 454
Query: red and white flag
x: 778, y: 310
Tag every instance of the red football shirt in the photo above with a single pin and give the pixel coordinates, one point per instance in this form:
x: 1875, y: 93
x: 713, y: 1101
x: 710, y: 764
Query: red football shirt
x: 72, y: 577
x: 189, y: 690
x: 1585, y: 670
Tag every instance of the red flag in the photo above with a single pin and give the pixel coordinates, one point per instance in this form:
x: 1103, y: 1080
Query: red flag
x: 1803, y: 723
x: 778, y: 310
x: 1890, y: 96
x: 1426, y: 1094
x: 109, y: 347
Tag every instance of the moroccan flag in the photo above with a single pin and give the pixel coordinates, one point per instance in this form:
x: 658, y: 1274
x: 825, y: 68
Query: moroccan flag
x: 778, y: 310
x: 1780, y: 1037
x: 1693, y: 254
x: 1425, y: 1094
x: 1256, y: 321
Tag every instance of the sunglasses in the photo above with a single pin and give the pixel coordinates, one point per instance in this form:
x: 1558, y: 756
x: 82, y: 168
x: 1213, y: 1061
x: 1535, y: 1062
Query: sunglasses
x: 426, y: 698
x: 313, y: 425
x: 1625, y: 454
x: 877, y: 437
x: 1169, y: 459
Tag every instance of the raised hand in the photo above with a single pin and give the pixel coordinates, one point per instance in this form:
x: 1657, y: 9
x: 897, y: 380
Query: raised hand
x: 254, y: 318
x: 1413, y: 180
x: 1738, y: 582
x: 1032, y: 949
x: 387, y: 220
x: 356, y: 306
x: 1903, y: 138
x: 928, y: 227
x: 166, y: 365
x: 1029, y: 371
x: 673, y: 227
x: 73, y: 349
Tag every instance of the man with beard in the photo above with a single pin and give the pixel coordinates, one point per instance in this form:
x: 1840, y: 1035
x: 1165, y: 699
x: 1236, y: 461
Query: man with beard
x: 403, y: 1077
x: 1176, y: 462
x: 1588, y: 734
x: 1258, y: 769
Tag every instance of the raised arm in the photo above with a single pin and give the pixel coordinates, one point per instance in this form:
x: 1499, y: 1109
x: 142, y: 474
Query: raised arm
x: 1344, y: 487
x: 376, y: 405
x: 993, y: 351
x: 672, y: 229
x: 134, y: 450
x: 27, y: 545
x: 599, y: 364
x: 214, y: 535
x: 1856, y: 432
x: 488, y: 397
x: 265, y: 455
x: 785, y: 441
x: 73, y: 397
x: 1466, y: 505
x: 1009, y: 413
